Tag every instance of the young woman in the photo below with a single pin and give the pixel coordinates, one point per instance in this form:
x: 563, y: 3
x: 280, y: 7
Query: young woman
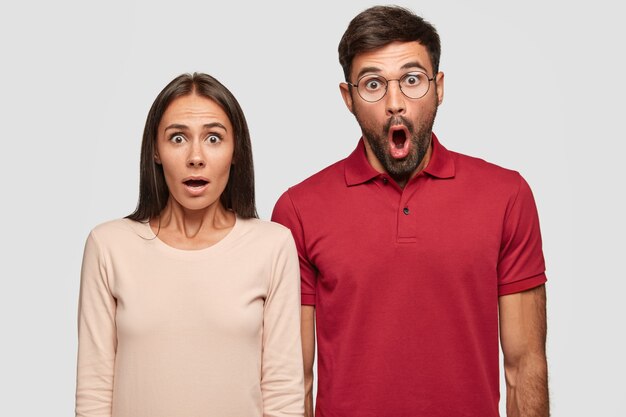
x: 190, y: 306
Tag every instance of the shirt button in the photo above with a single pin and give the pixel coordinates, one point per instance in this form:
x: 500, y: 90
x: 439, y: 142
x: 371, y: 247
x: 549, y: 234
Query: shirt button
x: 385, y: 180
x: 405, y: 211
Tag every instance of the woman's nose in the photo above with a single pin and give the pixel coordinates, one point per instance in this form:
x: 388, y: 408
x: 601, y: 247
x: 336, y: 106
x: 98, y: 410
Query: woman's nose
x: 196, y: 159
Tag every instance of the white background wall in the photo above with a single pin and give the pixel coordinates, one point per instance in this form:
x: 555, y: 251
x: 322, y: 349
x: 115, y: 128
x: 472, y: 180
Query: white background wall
x: 537, y: 86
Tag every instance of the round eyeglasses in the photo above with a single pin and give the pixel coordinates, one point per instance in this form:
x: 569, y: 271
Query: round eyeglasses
x: 373, y: 87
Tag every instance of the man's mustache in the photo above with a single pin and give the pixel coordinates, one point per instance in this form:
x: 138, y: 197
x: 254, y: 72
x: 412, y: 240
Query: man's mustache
x: 396, y: 121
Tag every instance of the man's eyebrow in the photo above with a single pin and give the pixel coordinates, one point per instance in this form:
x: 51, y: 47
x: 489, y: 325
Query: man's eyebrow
x: 413, y: 64
x: 408, y: 65
x: 365, y: 70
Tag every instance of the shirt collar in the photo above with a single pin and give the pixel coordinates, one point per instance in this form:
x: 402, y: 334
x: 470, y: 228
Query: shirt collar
x: 358, y: 169
x: 441, y: 164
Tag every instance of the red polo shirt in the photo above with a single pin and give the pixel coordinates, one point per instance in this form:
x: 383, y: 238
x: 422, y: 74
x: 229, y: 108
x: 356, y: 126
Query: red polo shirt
x: 405, y: 282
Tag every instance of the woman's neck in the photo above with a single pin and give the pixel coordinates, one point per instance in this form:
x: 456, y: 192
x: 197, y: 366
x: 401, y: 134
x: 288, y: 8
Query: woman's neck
x: 182, y: 228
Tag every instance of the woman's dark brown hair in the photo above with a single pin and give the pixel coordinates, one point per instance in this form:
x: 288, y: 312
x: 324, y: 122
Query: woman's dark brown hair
x: 378, y: 26
x: 153, y: 192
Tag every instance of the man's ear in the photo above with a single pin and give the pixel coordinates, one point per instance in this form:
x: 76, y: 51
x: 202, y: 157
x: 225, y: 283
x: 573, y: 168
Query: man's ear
x: 346, y: 95
x: 439, y: 83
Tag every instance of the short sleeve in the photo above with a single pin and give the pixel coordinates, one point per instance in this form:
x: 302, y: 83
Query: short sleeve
x: 521, y: 263
x: 285, y: 213
x: 97, y: 341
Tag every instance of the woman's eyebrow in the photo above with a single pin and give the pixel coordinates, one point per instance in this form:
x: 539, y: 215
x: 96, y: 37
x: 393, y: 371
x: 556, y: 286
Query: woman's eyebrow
x: 215, y: 124
x: 179, y: 126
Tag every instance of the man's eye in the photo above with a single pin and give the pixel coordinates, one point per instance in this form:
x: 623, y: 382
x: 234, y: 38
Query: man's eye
x: 177, y: 138
x: 373, y: 84
x: 214, y: 139
x: 412, y: 80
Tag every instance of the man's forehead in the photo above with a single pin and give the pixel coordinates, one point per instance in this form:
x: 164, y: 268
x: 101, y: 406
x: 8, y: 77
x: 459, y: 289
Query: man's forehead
x: 393, y: 56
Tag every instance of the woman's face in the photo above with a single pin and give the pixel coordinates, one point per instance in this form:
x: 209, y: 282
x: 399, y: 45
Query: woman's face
x: 195, y: 144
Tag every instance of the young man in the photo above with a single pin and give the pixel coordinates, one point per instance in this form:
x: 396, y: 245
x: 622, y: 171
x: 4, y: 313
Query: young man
x: 413, y: 257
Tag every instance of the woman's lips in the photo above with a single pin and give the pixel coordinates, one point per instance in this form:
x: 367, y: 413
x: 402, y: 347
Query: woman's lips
x: 196, y: 185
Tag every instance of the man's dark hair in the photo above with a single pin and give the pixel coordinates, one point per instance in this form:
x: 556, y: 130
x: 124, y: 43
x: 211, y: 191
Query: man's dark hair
x: 378, y: 26
x: 153, y: 192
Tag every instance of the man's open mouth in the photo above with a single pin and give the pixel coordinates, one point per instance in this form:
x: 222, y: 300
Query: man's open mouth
x: 398, y: 138
x: 399, y: 143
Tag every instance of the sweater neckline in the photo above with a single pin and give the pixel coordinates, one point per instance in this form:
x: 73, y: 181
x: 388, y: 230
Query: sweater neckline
x: 148, y: 234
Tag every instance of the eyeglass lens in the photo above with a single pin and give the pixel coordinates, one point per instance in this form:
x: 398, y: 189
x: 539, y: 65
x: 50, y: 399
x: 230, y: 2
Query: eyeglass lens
x: 374, y: 87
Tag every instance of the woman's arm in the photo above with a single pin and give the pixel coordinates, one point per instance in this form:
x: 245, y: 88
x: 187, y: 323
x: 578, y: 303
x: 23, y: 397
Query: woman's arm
x: 282, y: 374
x: 97, y: 339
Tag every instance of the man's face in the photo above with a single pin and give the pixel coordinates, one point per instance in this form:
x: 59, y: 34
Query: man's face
x: 397, y: 129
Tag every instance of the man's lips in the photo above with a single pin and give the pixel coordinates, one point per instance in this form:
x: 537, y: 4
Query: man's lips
x: 399, y: 142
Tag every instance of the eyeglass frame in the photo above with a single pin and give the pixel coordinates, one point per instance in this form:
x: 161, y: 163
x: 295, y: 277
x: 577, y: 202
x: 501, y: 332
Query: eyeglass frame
x: 387, y: 85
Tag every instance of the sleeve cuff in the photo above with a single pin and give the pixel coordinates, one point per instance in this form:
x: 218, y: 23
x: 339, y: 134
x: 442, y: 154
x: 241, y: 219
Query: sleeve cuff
x: 308, y: 299
x: 521, y: 285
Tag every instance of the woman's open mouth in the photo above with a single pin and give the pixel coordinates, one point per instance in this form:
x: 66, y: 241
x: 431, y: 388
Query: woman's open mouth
x: 195, y: 185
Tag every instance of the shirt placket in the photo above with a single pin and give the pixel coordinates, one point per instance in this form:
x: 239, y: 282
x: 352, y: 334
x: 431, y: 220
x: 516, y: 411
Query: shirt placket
x: 406, y: 212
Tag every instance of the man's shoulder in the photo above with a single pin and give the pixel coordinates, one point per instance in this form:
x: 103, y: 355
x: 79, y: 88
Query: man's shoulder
x: 477, y: 169
x: 312, y: 193
x: 329, y: 177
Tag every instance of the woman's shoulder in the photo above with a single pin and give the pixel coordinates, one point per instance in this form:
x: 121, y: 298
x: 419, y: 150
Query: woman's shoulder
x: 119, y: 229
x: 265, y: 229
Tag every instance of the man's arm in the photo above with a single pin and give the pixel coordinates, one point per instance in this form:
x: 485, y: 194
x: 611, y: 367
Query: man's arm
x: 285, y: 213
x: 523, y: 339
x: 307, y: 331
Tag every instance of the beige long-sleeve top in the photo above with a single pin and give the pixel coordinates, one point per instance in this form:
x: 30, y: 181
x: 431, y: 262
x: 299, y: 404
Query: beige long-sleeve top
x: 165, y: 332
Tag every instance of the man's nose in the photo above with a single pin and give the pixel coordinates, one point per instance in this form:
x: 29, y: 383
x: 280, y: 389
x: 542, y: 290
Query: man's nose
x: 394, y: 100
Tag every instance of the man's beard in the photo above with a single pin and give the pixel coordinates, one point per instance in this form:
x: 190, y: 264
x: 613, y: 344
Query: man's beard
x: 400, y: 169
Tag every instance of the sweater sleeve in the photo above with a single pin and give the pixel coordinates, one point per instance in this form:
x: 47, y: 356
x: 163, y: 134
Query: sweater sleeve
x: 282, y: 374
x: 97, y: 340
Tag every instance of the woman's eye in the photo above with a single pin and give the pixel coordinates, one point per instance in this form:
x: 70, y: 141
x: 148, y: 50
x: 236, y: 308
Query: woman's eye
x: 177, y: 139
x: 214, y: 139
